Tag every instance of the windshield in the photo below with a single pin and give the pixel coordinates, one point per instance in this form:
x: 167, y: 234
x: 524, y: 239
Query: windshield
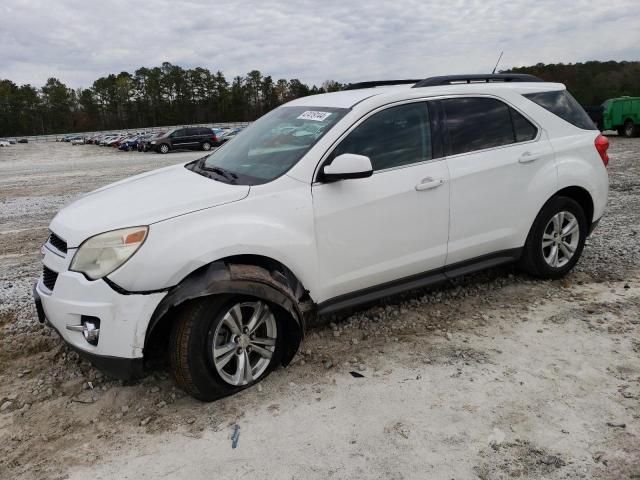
x: 271, y: 145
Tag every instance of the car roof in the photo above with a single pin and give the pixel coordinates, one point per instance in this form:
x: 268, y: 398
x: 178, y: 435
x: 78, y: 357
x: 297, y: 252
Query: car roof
x: 349, y: 98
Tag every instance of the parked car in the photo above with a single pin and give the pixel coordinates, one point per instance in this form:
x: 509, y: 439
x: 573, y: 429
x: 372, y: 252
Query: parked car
x: 201, y: 138
x: 129, y: 143
x: 4, y: 143
x: 78, y: 141
x: 228, y: 135
x: 23, y: 140
x: 623, y: 115
x: 145, y: 145
x: 224, y: 260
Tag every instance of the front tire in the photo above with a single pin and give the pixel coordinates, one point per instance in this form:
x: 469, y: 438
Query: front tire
x: 164, y: 148
x: 220, y: 345
x: 556, y: 239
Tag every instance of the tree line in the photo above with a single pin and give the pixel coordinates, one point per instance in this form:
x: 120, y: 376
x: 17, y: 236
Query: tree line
x: 172, y: 95
x: 165, y: 95
x: 591, y: 83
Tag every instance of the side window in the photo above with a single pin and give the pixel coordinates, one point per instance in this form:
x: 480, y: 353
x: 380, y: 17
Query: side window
x: 523, y: 129
x: 178, y: 133
x: 562, y: 104
x: 477, y: 123
x: 391, y: 138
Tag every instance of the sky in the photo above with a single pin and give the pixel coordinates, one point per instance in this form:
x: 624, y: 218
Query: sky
x: 78, y: 41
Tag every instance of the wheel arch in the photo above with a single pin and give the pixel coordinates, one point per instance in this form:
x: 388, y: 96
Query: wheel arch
x: 580, y: 195
x: 254, y: 275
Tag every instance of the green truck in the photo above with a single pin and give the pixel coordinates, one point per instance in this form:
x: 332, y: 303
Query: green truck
x: 623, y: 115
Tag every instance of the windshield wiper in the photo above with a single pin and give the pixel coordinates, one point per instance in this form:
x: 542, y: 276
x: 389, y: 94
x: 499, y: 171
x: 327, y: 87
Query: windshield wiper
x: 230, y: 176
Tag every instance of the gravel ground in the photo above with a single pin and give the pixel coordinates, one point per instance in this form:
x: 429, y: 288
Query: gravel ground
x: 493, y: 376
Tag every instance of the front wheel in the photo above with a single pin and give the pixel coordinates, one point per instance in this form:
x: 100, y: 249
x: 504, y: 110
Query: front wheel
x: 222, y: 344
x: 556, y: 239
x: 164, y: 148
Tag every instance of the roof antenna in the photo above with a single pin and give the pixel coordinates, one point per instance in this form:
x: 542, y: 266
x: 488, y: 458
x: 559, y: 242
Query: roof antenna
x: 499, y: 58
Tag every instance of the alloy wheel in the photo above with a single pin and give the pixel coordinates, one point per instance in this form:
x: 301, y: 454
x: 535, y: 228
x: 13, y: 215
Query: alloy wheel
x: 560, y: 239
x: 244, y: 342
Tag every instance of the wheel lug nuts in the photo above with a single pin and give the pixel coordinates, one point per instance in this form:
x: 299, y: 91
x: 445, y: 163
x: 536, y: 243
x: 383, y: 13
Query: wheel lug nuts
x: 236, y: 339
x: 239, y: 351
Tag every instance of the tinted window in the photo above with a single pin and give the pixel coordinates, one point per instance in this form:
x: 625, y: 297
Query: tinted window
x: 477, y: 123
x: 178, y: 133
x: 562, y: 104
x: 391, y: 138
x: 203, y: 131
x: 523, y: 129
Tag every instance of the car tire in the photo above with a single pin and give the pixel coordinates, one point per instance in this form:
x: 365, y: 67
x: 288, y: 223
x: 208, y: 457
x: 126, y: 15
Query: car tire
x: 629, y: 129
x: 556, y: 239
x: 163, y: 148
x: 209, y: 345
x: 206, y: 146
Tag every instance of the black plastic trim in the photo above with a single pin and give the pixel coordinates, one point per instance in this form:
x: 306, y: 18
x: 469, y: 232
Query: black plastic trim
x: 420, y: 280
x: 476, y: 78
x: 378, y: 83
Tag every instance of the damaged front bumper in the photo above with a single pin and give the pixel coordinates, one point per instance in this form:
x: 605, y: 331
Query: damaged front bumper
x: 123, y: 319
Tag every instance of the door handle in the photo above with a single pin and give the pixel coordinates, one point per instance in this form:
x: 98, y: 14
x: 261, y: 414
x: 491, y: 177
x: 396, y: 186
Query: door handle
x: 429, y: 183
x: 528, y: 157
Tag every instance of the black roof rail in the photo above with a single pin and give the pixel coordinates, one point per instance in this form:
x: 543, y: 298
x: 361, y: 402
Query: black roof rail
x: 476, y: 78
x: 379, y: 83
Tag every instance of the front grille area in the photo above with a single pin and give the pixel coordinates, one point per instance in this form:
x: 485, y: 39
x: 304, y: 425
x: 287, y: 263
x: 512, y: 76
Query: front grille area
x: 57, y: 242
x: 49, y: 278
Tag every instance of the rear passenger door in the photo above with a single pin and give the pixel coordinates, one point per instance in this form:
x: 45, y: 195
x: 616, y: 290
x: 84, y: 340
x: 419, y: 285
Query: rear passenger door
x: 502, y: 170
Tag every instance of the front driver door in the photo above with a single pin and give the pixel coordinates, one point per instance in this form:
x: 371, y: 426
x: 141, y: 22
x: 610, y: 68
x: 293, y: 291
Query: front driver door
x: 389, y: 226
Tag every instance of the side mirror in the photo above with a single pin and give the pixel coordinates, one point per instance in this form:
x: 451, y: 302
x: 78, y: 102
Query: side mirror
x: 347, y: 166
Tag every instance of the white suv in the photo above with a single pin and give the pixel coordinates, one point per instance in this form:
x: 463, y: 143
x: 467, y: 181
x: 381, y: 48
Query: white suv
x: 327, y: 202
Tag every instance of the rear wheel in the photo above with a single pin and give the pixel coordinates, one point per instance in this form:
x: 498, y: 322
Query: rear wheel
x: 629, y: 129
x: 206, y: 146
x: 556, y: 239
x: 223, y: 344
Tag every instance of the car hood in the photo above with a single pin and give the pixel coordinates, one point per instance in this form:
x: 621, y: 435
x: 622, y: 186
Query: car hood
x: 142, y: 200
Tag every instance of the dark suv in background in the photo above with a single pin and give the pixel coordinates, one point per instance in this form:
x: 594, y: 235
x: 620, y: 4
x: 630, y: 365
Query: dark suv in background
x: 188, y: 137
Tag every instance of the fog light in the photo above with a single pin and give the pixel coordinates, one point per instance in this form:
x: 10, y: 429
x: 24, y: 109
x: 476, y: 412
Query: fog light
x: 90, y: 328
x: 91, y: 332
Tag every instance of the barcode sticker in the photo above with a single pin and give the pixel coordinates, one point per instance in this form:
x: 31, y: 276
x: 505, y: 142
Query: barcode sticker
x: 315, y: 116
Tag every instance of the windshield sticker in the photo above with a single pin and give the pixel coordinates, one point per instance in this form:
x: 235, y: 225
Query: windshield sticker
x: 315, y: 116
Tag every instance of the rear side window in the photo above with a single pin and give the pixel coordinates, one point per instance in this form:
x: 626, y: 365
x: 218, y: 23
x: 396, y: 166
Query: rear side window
x: 391, y: 138
x: 476, y: 124
x: 480, y: 123
x: 523, y: 129
x: 562, y: 104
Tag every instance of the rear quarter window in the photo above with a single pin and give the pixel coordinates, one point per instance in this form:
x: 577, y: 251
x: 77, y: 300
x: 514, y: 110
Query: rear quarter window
x: 562, y: 104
